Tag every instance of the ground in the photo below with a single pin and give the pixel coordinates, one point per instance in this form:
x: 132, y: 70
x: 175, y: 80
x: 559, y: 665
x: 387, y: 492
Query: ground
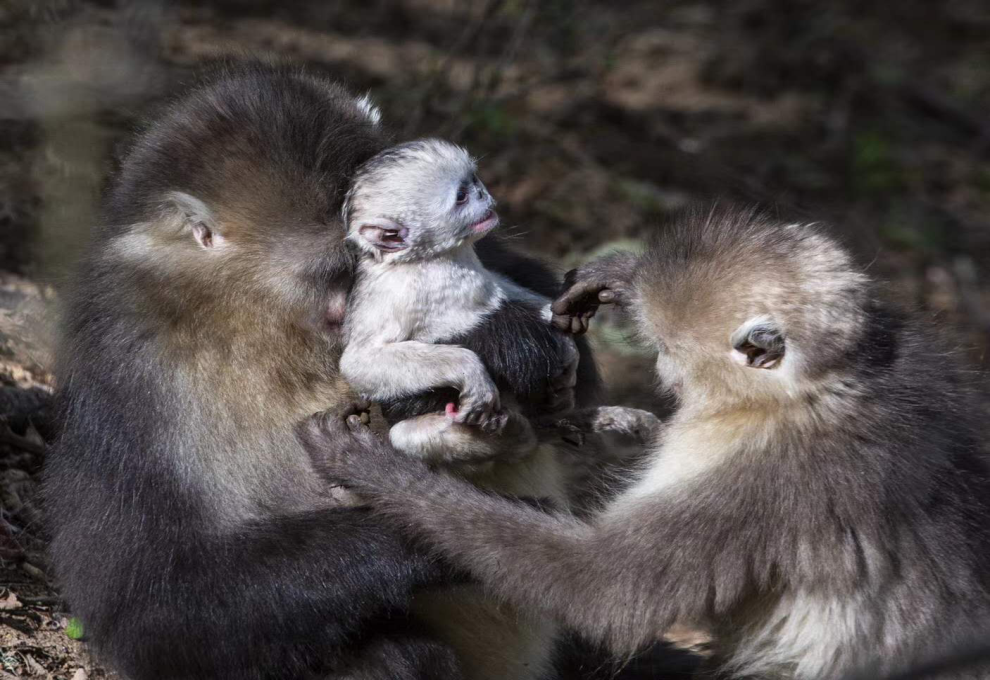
x: 594, y: 121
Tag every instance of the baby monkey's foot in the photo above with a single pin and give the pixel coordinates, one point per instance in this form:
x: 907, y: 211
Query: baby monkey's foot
x: 439, y: 440
x: 482, y: 410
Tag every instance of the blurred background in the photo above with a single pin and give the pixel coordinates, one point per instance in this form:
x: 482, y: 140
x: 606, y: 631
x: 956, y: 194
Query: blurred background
x: 594, y: 121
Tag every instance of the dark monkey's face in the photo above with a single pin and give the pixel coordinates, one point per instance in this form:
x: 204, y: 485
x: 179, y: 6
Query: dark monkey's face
x: 230, y: 263
x: 418, y: 200
x: 226, y: 218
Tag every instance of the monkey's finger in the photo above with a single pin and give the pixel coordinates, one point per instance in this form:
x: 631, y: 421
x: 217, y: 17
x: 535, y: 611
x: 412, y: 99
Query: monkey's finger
x: 561, y: 322
x: 570, y: 278
x: 330, y: 420
x: 578, y: 327
x: 358, y: 406
x: 574, y: 438
x: 354, y: 422
x: 576, y: 294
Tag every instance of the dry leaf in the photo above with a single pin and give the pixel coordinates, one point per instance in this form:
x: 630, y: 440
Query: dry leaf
x: 10, y: 602
x: 35, y: 668
x: 80, y: 674
x: 33, y: 571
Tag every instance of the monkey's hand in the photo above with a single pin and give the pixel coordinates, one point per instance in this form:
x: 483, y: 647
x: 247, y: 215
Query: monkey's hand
x: 641, y: 425
x: 560, y: 397
x: 344, y: 450
x: 605, y: 281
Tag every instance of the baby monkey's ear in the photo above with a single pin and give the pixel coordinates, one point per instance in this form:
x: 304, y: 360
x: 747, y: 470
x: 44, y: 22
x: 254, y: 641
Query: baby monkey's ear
x: 384, y: 234
x: 758, y: 343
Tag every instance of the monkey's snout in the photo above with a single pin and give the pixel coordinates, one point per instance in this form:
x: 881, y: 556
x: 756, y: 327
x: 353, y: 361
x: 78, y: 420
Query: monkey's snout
x: 487, y: 222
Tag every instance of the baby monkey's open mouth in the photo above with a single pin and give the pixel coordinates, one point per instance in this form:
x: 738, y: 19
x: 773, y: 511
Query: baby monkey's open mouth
x: 488, y: 222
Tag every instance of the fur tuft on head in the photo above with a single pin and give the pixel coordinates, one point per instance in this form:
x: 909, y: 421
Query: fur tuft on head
x: 369, y: 109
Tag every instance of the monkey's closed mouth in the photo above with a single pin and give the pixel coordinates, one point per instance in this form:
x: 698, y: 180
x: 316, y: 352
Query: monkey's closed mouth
x: 487, y: 223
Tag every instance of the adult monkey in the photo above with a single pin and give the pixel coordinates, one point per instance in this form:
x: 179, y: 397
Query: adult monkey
x: 190, y: 533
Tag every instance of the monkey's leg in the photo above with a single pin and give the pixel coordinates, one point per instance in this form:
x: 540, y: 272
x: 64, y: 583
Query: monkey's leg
x: 438, y: 439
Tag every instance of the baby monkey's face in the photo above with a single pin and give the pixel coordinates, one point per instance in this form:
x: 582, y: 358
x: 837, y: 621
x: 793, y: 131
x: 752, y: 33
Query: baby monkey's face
x: 422, y: 199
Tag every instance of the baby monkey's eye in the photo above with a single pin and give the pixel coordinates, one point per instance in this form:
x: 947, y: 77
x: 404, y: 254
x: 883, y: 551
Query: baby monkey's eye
x: 462, y: 194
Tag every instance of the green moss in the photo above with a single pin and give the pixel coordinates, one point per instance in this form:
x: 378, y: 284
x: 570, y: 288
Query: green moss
x: 876, y: 168
x: 493, y: 120
x: 983, y: 180
x: 75, y: 629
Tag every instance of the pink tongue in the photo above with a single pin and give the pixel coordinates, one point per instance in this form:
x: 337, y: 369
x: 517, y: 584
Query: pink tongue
x: 451, y: 409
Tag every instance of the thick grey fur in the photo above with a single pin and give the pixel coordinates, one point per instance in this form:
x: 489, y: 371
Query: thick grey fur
x: 820, y: 514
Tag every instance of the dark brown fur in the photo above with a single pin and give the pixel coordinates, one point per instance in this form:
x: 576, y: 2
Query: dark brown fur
x: 190, y: 532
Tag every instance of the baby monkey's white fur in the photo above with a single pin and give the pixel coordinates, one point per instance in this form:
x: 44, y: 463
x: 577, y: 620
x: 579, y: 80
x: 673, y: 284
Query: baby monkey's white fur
x: 414, y: 213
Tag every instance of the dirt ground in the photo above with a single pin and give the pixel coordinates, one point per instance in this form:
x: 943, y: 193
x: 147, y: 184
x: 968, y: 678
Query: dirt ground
x: 595, y: 121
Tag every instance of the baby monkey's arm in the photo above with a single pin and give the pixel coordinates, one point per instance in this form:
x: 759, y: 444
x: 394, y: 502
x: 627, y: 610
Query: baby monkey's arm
x: 384, y: 371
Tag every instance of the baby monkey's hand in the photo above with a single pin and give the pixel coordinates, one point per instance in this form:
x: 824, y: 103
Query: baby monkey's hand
x: 480, y: 406
x: 604, y: 281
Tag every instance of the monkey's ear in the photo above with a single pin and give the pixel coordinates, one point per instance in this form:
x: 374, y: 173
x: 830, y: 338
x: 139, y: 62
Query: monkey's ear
x: 198, y: 219
x: 758, y: 343
x: 384, y: 234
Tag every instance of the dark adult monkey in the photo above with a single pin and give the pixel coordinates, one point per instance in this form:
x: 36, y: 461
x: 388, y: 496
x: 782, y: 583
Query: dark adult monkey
x: 190, y: 533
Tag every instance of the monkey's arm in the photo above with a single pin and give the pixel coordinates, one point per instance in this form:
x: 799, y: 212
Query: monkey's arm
x: 392, y: 370
x: 165, y: 595
x: 623, y: 581
x: 606, y: 280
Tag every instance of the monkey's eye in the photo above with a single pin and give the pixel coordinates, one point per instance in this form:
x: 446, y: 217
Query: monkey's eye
x: 462, y: 195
